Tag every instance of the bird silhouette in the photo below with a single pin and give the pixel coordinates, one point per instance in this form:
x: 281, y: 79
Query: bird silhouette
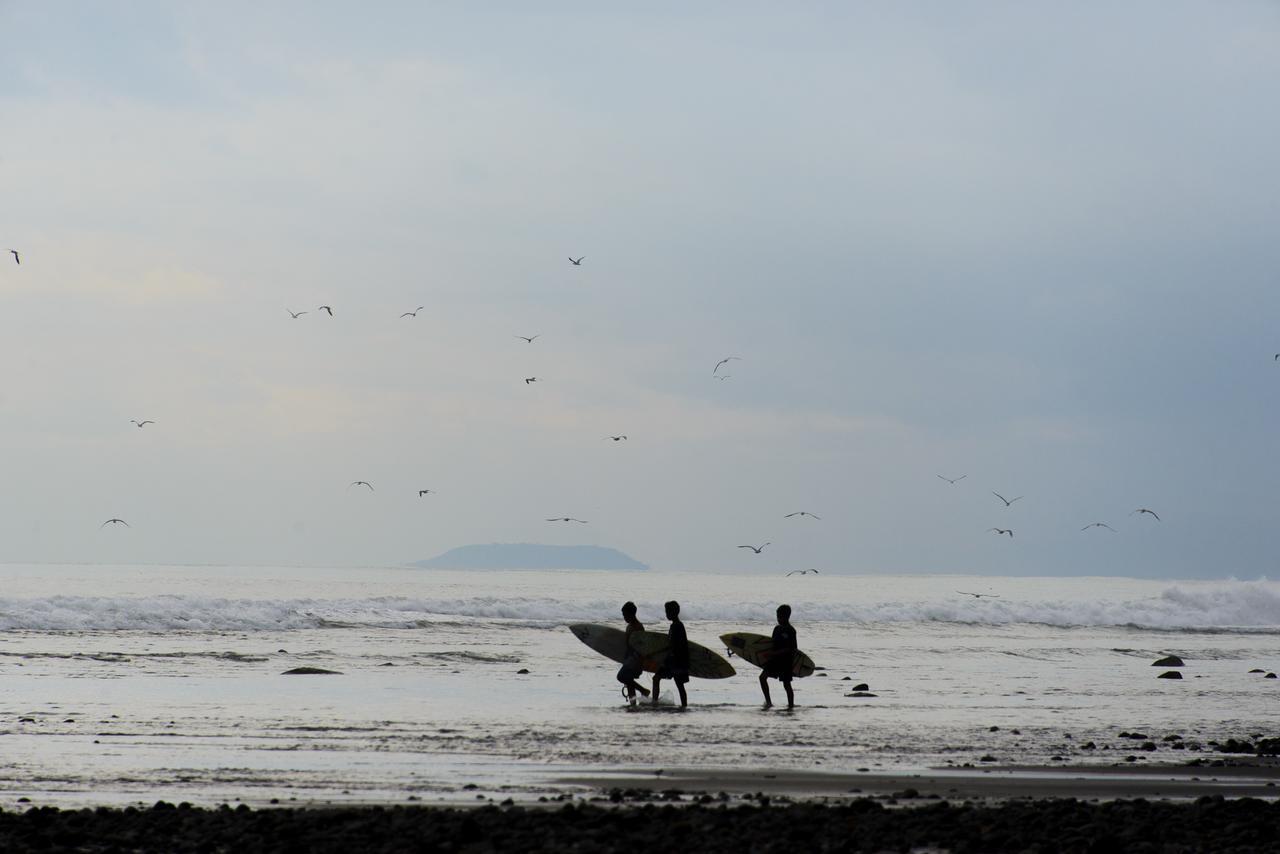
x: 801, y: 513
x: 528, y: 337
x: 616, y: 438
x: 325, y: 308
x: 413, y: 313
x: 1098, y: 525
x: 361, y: 483
x: 1008, y: 531
x: 295, y: 314
x: 1007, y: 501
x: 953, y: 480
x: 1148, y: 512
x: 115, y: 522
x: 16, y: 259
x: 724, y: 360
x: 567, y: 519
x: 978, y: 595
x: 756, y: 549
x: 801, y: 572
x: 723, y: 377
x: 577, y: 263
x: 141, y: 424
x: 422, y: 492
x: 528, y: 380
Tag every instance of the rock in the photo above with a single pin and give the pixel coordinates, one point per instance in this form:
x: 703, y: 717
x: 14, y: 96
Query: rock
x: 861, y: 694
x: 993, y: 729
x: 386, y: 664
x: 987, y: 758
x: 861, y: 686
x: 850, y: 678
x: 523, y: 671
x: 310, y: 671
x: 1269, y: 676
x: 1168, y: 661
x: 1170, y: 674
x: 1257, y: 670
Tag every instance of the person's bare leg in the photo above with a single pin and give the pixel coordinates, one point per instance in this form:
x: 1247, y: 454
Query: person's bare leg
x: 791, y: 697
x: 656, y: 682
x: 764, y: 686
x: 684, y: 699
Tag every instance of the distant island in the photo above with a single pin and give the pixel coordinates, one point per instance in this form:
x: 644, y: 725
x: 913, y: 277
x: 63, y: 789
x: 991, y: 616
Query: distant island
x: 531, y: 556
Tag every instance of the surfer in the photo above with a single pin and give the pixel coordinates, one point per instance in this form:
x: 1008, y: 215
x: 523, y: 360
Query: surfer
x: 676, y: 664
x: 631, y: 664
x: 781, y: 660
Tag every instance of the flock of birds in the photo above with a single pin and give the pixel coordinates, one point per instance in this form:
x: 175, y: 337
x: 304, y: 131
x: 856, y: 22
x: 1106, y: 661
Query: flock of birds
x: 715, y: 372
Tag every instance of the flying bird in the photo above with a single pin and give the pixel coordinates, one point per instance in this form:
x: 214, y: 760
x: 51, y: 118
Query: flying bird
x: 325, y: 308
x: 528, y: 338
x: 422, y: 492
x: 361, y: 483
x: 953, y: 480
x: 295, y: 314
x: 801, y: 572
x: 978, y: 595
x: 141, y: 424
x: 528, y: 380
x: 413, y: 313
x: 577, y: 263
x: 617, y: 438
x: 756, y: 549
x: 723, y: 376
x: 14, y: 253
x: 1008, y: 531
x: 1145, y: 510
x: 114, y: 522
x: 1007, y: 501
x: 1098, y: 525
x: 801, y: 513
x: 567, y: 519
x: 725, y: 359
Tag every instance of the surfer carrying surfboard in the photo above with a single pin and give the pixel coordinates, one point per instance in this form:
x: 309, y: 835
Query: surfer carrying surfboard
x: 676, y: 665
x: 780, y: 662
x: 632, y: 665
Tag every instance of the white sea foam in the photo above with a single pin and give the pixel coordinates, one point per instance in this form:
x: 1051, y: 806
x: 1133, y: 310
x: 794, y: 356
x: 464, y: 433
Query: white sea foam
x: 1231, y: 605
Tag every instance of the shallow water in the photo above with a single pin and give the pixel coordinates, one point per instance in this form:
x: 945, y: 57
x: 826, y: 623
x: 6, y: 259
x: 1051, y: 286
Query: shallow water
x: 146, y: 682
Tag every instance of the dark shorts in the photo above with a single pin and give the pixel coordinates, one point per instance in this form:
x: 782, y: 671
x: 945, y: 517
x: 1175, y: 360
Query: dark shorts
x: 780, y: 670
x: 668, y: 671
x: 629, y: 671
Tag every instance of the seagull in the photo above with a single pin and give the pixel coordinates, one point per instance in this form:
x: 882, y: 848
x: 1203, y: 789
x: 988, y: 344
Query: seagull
x: 801, y: 572
x: 141, y: 424
x: 1008, y: 531
x: 361, y: 483
x: 16, y: 259
x: 1145, y: 510
x: 568, y: 519
x: 422, y: 492
x: 723, y: 376
x: 1007, y: 501
x: 617, y: 438
x: 1098, y: 525
x: 325, y: 308
x: 978, y: 595
x: 528, y: 380
x: 413, y: 313
x: 725, y: 359
x: 577, y: 263
x: 953, y: 480
x: 295, y: 314
x: 756, y: 549
x: 527, y: 338
x: 114, y: 522
x: 801, y: 513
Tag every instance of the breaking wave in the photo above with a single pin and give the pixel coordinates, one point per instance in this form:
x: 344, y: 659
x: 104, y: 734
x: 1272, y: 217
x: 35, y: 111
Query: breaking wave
x: 1248, y: 606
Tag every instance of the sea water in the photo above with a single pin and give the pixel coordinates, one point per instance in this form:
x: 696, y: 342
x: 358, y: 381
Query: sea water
x: 131, y: 683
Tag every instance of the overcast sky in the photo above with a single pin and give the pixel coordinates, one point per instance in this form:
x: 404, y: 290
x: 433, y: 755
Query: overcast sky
x: 1033, y: 244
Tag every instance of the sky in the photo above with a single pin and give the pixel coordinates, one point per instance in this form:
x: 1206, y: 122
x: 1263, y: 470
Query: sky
x: 1032, y: 244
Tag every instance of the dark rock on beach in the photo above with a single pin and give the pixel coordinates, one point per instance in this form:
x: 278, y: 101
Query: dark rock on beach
x: 1168, y: 661
x: 1170, y: 674
x: 311, y: 671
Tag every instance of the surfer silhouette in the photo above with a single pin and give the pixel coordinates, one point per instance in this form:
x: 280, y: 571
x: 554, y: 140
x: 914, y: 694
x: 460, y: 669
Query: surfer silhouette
x: 781, y: 660
x: 631, y: 664
x: 676, y: 665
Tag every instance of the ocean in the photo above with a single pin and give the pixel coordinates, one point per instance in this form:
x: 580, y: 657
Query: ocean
x: 125, y: 684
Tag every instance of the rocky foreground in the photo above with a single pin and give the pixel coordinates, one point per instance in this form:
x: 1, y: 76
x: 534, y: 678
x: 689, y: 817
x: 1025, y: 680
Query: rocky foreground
x: 1136, y: 826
